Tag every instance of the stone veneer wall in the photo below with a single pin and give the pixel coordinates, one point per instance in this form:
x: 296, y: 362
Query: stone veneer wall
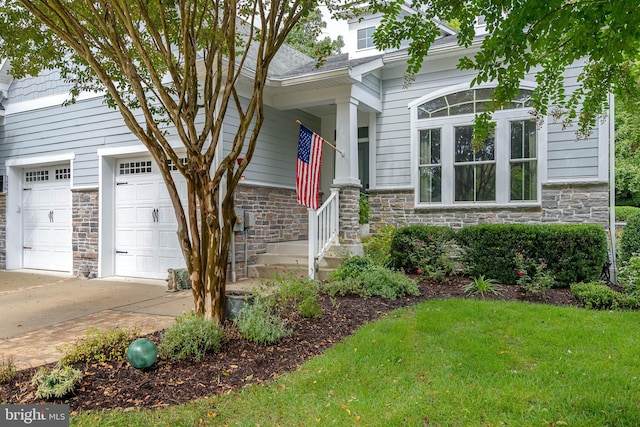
x: 3, y: 231
x: 84, y: 238
x: 561, y: 203
x: 349, y: 215
x: 278, y: 216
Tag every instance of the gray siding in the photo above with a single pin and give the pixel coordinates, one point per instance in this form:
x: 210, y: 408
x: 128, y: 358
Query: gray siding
x: 568, y: 159
x: 274, y: 159
x: 47, y: 83
x: 393, y: 145
x: 89, y: 125
x: 81, y: 128
x: 371, y: 84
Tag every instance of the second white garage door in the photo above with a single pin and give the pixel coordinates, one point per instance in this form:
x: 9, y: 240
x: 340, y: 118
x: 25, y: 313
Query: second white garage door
x: 146, y: 240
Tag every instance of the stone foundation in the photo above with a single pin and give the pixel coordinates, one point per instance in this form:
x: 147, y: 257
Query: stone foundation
x: 3, y: 231
x: 561, y: 203
x: 84, y: 234
x: 278, y: 218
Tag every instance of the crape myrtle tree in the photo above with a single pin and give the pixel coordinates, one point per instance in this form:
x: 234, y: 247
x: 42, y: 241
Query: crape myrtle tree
x: 525, y: 36
x: 177, y: 64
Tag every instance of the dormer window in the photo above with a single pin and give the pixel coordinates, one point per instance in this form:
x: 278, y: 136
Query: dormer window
x: 365, y: 38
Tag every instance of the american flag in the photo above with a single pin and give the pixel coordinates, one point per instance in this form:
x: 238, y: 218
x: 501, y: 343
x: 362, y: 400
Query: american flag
x: 308, y: 167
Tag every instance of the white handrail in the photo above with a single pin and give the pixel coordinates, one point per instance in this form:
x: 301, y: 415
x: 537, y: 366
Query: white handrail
x: 323, y: 230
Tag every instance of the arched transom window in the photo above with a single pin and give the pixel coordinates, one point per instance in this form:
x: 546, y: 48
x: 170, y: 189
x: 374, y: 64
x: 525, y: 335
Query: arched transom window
x: 452, y: 171
x: 468, y: 102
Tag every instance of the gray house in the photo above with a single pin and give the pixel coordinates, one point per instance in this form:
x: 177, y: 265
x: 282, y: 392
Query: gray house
x: 79, y: 191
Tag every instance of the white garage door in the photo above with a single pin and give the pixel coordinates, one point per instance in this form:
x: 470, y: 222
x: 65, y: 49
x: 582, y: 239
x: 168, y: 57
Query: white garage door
x: 146, y: 240
x: 46, y: 208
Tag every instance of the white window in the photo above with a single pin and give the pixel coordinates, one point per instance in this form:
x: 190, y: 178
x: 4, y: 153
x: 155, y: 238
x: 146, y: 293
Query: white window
x: 365, y: 37
x: 451, y: 170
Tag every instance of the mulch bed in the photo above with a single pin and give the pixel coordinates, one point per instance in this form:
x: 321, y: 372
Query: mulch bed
x: 240, y: 363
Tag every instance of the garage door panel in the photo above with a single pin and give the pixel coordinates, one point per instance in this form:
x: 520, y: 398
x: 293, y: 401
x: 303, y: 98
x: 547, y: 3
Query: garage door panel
x: 145, y: 216
x: 46, y: 219
x: 146, y: 225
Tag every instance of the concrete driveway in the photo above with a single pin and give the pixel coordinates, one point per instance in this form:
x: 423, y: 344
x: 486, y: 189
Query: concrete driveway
x: 41, y: 312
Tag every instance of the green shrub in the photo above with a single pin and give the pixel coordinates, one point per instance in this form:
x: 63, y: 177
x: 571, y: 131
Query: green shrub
x: 377, y: 247
x: 533, y: 277
x: 310, y: 307
x: 300, y: 293
x: 423, y: 247
x: 597, y: 296
x: 374, y: 281
x: 183, y: 279
x: 481, y: 286
x: 351, y: 267
x: 99, y: 346
x: 623, y: 212
x: 57, y: 382
x: 630, y: 239
x: 363, y: 214
x: 353, y: 286
x: 257, y: 322
x: 385, y: 283
x: 295, y: 288
x: 629, y: 276
x: 191, y: 336
x: 572, y: 253
x: 8, y: 369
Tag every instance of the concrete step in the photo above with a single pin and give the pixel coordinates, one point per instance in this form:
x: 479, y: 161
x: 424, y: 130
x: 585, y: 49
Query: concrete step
x: 296, y: 247
x: 282, y: 270
x: 290, y: 258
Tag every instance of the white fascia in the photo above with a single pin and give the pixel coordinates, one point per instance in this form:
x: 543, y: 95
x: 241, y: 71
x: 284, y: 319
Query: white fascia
x: 47, y: 101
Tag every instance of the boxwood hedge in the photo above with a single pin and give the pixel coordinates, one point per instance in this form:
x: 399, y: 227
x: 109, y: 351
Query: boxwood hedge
x: 572, y: 253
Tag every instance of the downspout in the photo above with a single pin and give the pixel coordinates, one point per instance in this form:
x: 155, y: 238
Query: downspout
x: 233, y: 257
x: 612, y: 189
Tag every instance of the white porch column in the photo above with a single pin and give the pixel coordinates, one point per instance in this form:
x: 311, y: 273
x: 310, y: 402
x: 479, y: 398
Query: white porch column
x: 346, y: 172
x: 346, y: 176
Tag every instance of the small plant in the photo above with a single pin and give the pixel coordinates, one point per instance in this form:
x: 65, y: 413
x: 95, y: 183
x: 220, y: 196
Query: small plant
x: 630, y: 239
x: 8, y: 369
x: 57, y: 382
x: 257, y: 322
x: 629, y: 276
x: 386, y: 283
x: 377, y: 247
x: 183, y: 281
x: 533, y: 284
x: 423, y: 247
x: 351, y: 267
x: 482, y: 286
x: 363, y: 217
x: 310, y: 307
x: 372, y: 281
x: 191, y: 336
x: 99, y: 346
x: 595, y: 295
x: 300, y: 293
x: 348, y: 286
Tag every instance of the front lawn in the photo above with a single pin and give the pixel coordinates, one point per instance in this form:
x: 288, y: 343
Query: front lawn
x: 444, y: 362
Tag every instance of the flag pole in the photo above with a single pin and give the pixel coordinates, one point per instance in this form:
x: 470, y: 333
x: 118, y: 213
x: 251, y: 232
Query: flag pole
x: 325, y: 141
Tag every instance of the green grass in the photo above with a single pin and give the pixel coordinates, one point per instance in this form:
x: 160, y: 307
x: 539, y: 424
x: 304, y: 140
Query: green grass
x: 448, y: 362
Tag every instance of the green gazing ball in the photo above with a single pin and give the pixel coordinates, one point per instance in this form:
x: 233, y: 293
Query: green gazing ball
x: 142, y: 353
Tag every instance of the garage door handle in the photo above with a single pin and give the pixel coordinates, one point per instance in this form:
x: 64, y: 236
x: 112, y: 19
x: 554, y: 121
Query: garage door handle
x: 50, y: 216
x: 26, y: 247
x: 122, y: 252
x: 154, y: 215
